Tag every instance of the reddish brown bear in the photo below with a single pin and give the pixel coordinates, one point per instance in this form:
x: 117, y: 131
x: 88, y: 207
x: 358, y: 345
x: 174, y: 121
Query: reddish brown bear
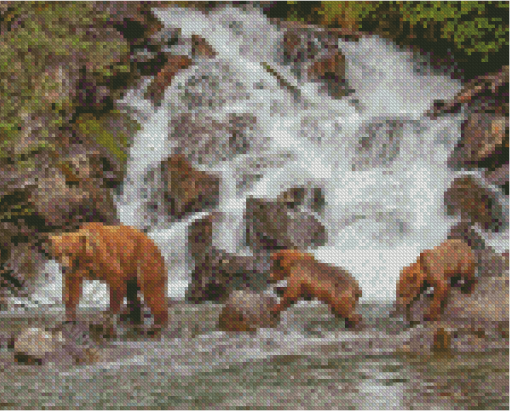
x: 308, y: 278
x: 452, y: 260
x: 121, y: 256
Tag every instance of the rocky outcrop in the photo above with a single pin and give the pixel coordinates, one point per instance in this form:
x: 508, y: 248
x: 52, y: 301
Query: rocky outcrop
x: 19, y: 273
x: 186, y: 189
x: 247, y: 311
x: 63, y: 206
x: 271, y: 226
x: 206, y: 140
x: 218, y: 273
x: 465, y: 232
x: 156, y: 90
x: 469, y: 198
x: 484, y: 137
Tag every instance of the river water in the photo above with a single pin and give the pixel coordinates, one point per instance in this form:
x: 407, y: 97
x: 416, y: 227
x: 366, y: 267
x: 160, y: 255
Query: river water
x: 383, y: 206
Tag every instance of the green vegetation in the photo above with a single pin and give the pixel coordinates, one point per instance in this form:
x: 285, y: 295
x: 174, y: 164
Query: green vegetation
x: 115, y: 139
x: 476, y: 29
x: 42, y: 46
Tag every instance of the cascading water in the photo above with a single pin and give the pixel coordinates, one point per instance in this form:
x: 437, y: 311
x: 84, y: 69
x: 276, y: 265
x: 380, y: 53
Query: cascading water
x: 380, y: 163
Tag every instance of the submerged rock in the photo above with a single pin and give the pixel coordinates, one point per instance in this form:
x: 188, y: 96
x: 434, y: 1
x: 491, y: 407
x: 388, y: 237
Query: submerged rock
x: 247, y: 311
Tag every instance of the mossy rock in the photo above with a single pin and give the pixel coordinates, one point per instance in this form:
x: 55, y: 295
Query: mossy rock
x: 113, y: 131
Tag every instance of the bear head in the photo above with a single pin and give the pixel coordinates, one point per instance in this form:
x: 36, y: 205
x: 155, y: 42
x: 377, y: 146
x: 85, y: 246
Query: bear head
x: 410, y: 284
x: 68, y: 248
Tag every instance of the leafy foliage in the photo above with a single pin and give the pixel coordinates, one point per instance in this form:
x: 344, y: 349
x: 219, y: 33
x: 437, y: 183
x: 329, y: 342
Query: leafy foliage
x: 479, y: 28
x: 38, y: 35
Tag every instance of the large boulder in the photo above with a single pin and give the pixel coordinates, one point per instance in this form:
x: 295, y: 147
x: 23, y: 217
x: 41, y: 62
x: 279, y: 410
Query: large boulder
x: 186, y: 189
x: 61, y: 205
x: 484, y: 137
x: 218, y: 273
x: 206, y: 140
x: 468, y: 197
x: 271, y: 226
x: 68, y: 342
x: 247, y: 311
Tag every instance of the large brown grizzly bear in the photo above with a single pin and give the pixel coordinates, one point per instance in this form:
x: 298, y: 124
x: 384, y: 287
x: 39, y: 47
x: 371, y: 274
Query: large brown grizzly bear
x: 308, y: 278
x: 452, y: 260
x: 122, y: 256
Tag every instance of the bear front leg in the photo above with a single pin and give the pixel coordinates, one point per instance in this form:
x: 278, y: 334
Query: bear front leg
x: 440, y: 294
x: 291, y: 296
x: 469, y: 278
x: 72, y: 292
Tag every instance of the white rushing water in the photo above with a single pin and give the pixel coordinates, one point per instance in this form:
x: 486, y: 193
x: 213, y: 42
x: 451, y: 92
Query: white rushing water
x: 383, y: 206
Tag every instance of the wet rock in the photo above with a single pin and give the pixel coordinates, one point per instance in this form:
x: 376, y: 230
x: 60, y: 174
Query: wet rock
x: 493, y: 86
x: 33, y: 345
x: 149, y: 63
x: 247, y: 311
x: 206, y: 140
x: 464, y: 231
x: 92, y: 95
x: 61, y: 205
x: 303, y: 197
x: 156, y: 90
x: 475, y: 203
x: 212, y: 85
x: 315, y: 56
x: 200, y: 234
x: 201, y: 48
x: 271, y: 226
x: 20, y: 272
x: 185, y: 189
x: 498, y: 177
x: 484, y: 136
x: 379, y: 144
x: 134, y: 20
x: 167, y: 37
x: 331, y: 70
x: 218, y: 273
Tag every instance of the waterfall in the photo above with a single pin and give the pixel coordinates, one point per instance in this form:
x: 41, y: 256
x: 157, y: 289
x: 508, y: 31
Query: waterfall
x: 380, y: 163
